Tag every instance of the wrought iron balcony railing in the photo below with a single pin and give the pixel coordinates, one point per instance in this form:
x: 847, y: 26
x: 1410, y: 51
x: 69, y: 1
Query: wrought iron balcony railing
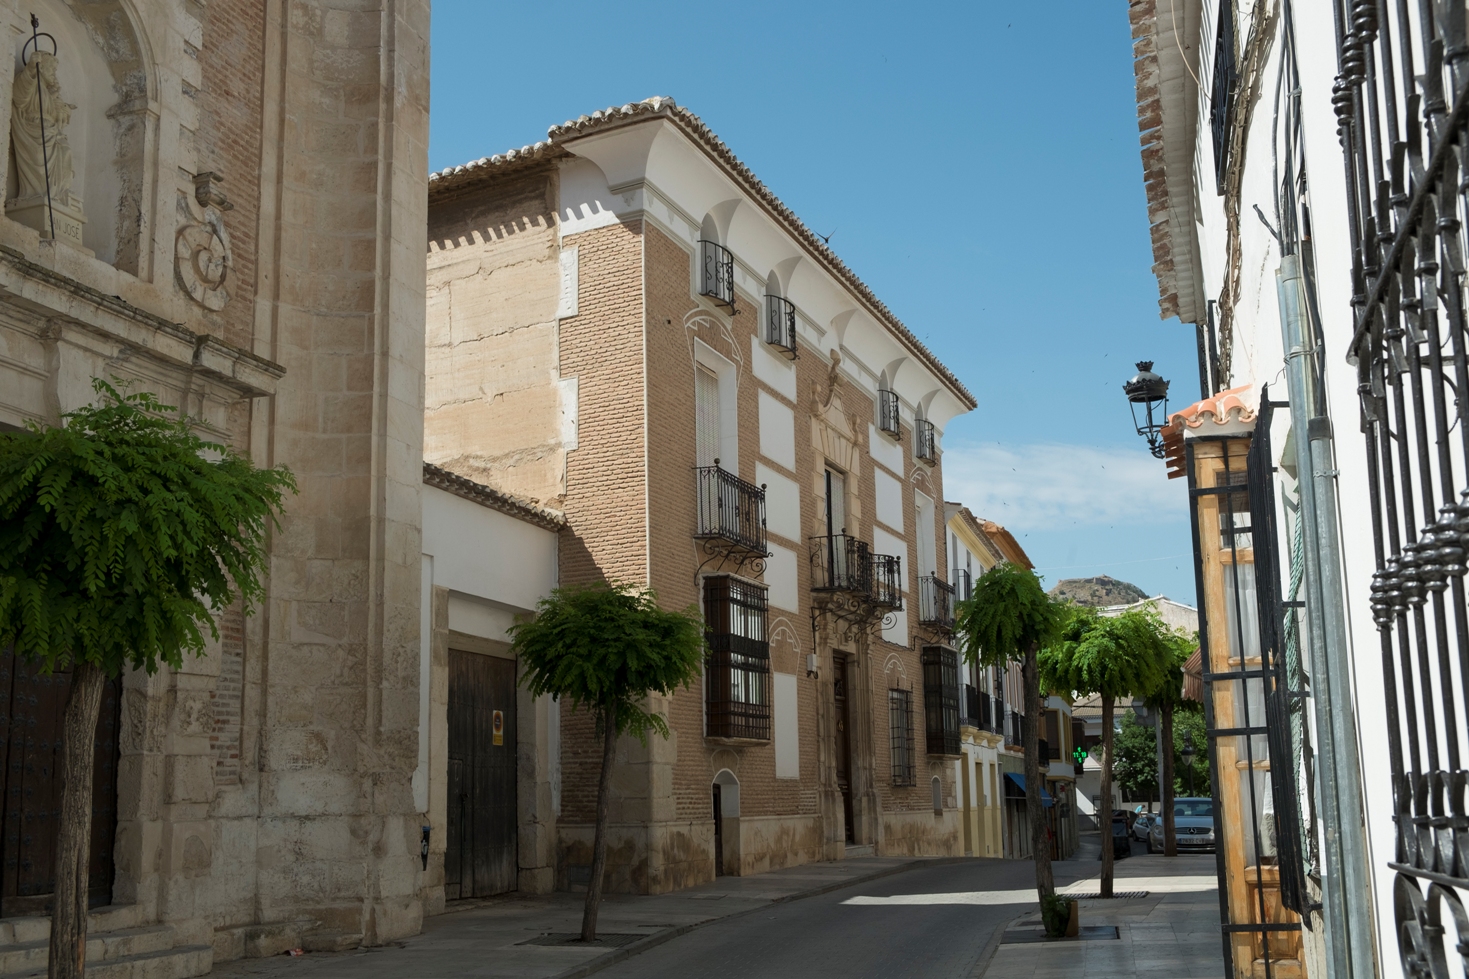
x: 841, y: 563
x: 977, y: 708
x: 887, y: 581
x: 717, y: 279
x: 730, y: 510
x: 935, y: 602
x: 888, y: 418
x: 963, y: 586
x: 923, y: 439
x: 1015, y: 730
x: 780, y: 324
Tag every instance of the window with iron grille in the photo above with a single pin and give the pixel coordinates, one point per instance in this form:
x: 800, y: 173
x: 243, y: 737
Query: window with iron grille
x: 1234, y: 512
x: 941, y: 699
x: 900, y: 724
x: 1226, y: 82
x: 717, y: 278
x: 923, y: 439
x: 888, y: 418
x: 780, y: 324
x: 737, y: 671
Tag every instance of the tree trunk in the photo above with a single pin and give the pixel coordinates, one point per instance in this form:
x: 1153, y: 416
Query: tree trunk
x: 599, y: 845
x: 1165, y: 737
x: 1107, y: 858
x: 1040, y: 845
x: 78, y: 733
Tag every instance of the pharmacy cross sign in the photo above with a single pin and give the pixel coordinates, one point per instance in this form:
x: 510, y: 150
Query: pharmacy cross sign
x: 1079, y: 755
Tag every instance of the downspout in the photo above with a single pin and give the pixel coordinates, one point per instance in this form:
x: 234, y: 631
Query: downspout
x: 1348, y: 921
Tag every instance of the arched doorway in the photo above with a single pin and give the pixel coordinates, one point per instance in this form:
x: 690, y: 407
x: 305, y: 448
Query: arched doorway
x: 726, y: 799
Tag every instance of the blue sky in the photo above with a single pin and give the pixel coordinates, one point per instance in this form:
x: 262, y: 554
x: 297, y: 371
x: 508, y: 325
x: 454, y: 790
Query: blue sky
x: 977, y: 164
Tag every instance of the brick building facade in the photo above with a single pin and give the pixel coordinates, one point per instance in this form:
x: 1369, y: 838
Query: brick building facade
x: 241, y: 236
x: 625, y: 325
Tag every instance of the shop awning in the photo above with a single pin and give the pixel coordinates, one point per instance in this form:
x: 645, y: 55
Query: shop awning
x: 1018, y: 782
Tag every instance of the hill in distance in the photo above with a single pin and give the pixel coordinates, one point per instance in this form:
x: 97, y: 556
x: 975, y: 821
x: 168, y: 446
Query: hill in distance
x: 1098, y: 591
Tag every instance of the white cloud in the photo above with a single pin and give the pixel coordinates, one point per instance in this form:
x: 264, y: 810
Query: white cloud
x: 1061, y: 487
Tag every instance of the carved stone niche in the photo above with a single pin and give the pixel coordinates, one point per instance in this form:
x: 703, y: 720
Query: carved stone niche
x: 202, y: 256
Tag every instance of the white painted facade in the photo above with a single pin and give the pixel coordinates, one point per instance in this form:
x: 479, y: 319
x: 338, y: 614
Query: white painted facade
x: 1208, y: 243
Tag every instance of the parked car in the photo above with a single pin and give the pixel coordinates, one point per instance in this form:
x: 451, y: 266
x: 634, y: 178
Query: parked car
x: 1193, y: 827
x: 1121, y: 840
x: 1142, y: 825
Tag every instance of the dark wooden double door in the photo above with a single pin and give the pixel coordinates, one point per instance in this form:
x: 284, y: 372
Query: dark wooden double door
x: 31, y: 707
x: 480, y: 855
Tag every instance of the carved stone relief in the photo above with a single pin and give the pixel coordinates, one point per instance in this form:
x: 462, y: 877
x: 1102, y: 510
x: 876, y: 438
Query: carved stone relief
x: 202, y: 256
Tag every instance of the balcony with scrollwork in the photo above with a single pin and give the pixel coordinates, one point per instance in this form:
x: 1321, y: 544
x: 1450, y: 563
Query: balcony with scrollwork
x: 841, y: 564
x: 716, y: 279
x: 731, y: 517
x: 923, y: 440
x: 780, y: 325
x: 935, y: 603
x: 887, y: 582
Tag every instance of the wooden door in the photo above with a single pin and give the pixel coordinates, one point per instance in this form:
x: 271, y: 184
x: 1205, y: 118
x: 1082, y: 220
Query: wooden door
x: 31, y: 708
x: 843, y: 739
x: 718, y: 833
x: 480, y: 852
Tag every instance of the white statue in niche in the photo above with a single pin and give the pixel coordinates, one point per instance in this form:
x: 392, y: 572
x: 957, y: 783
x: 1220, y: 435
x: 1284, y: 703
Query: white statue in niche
x: 39, y: 117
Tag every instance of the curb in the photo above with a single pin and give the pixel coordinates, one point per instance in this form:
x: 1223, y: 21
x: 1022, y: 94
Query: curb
x: 669, y: 934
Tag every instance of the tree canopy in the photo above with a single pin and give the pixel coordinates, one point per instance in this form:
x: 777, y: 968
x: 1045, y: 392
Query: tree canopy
x: 1007, y: 614
x: 1125, y: 655
x: 609, y: 646
x: 123, y: 532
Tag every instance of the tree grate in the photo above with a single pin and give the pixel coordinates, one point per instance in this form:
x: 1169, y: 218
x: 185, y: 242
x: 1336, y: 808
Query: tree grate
x: 1095, y: 896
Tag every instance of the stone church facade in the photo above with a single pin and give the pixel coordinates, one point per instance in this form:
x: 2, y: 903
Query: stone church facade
x: 229, y: 211
x: 625, y: 325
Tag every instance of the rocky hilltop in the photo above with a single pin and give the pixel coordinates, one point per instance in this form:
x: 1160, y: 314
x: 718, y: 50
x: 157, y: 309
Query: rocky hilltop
x: 1098, y: 591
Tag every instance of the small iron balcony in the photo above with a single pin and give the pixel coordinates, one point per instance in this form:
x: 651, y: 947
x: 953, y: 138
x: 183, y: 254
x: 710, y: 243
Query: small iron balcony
x: 731, y: 510
x: 887, y: 581
x: 935, y: 602
x: 841, y: 563
x: 963, y: 586
x: 923, y: 439
x: 717, y: 279
x: 888, y: 418
x: 780, y: 324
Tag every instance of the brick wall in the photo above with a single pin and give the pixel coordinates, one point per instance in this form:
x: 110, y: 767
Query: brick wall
x: 232, y: 66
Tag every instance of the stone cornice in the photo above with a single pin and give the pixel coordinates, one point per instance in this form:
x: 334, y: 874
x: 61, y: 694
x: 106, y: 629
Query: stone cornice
x: 42, y: 290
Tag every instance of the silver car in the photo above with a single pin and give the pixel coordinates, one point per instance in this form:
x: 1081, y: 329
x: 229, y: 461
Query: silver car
x: 1193, y: 827
x: 1142, y: 825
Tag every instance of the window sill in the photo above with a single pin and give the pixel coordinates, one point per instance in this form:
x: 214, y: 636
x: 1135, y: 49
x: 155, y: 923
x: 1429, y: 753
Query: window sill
x: 737, y: 742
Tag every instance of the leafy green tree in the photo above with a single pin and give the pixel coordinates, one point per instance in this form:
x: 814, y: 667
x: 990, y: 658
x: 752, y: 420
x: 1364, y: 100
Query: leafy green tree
x: 1118, y: 656
x: 1136, y: 768
x: 122, y: 535
x: 1164, y: 701
x: 1009, y: 617
x: 1189, y: 729
x: 606, y: 648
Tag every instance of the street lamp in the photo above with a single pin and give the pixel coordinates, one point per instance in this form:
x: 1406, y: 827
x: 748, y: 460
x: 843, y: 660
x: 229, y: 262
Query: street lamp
x: 1188, y: 759
x: 1151, y: 392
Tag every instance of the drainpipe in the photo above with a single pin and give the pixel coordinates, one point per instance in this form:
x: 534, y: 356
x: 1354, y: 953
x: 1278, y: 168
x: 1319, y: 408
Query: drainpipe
x: 1349, y: 930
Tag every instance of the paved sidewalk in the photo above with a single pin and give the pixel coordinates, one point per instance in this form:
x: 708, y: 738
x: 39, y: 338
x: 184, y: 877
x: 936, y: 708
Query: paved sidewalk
x: 1173, y: 933
x: 485, y: 940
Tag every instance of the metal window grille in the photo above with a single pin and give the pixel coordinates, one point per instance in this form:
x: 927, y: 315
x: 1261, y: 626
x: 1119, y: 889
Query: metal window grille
x: 900, y: 726
x: 887, y: 581
x: 1401, y: 99
x: 941, y: 699
x: 1226, y: 83
x: 737, y: 670
x: 717, y: 281
x: 888, y: 418
x: 971, y: 706
x: 730, y: 509
x: 935, y: 602
x: 840, y: 562
x: 923, y: 438
x: 780, y: 324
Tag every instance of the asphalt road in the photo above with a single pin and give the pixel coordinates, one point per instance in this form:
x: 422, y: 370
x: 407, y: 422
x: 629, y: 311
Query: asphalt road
x: 826, y: 936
